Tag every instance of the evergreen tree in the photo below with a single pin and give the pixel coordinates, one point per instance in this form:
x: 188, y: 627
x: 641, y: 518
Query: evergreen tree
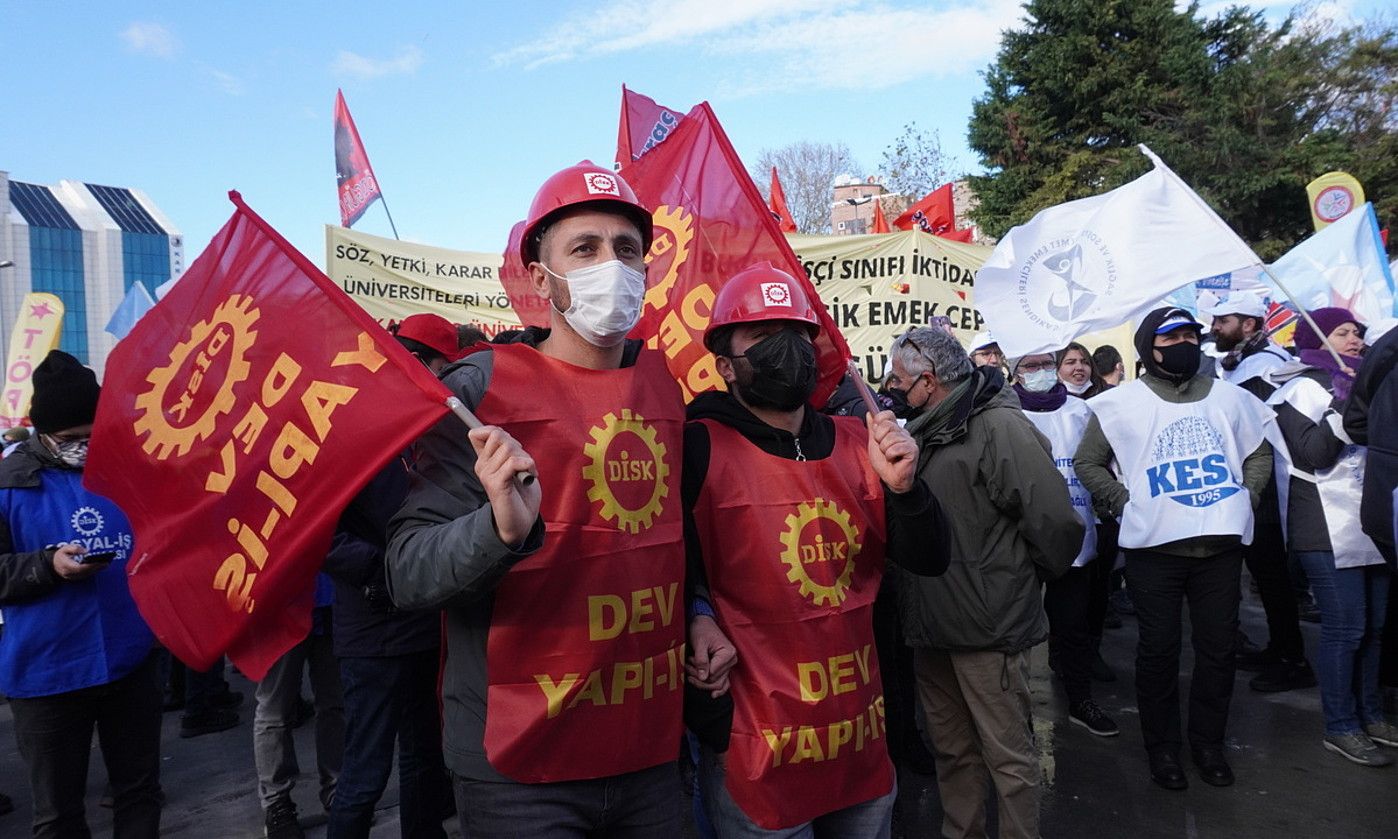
x: 1245, y: 112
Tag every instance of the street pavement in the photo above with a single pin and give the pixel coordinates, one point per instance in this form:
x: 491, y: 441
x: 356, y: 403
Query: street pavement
x: 1288, y: 786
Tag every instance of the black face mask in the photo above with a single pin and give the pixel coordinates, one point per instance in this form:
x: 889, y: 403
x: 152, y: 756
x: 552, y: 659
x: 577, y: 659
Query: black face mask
x: 1179, y: 362
x: 900, y: 407
x: 781, y: 372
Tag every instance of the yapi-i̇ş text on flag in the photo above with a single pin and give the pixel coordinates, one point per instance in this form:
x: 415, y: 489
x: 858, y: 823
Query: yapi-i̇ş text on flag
x: 710, y: 223
x: 1095, y: 263
x: 237, y: 419
x: 353, y: 175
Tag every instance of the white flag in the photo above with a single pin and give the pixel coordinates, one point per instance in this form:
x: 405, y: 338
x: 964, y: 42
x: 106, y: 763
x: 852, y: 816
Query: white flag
x: 1098, y: 262
x: 1343, y: 265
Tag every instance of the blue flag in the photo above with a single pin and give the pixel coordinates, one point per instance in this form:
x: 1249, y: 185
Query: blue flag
x: 1343, y: 265
x: 135, y: 304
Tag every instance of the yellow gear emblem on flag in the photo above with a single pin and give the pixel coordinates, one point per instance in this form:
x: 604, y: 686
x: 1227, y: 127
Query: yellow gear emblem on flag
x: 796, y: 559
x: 164, y: 438
x: 596, y: 472
x: 679, y: 223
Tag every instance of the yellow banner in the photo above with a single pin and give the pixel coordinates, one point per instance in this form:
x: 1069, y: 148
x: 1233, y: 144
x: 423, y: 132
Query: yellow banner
x: 37, y: 330
x: 879, y: 285
x: 393, y: 279
x: 1332, y: 196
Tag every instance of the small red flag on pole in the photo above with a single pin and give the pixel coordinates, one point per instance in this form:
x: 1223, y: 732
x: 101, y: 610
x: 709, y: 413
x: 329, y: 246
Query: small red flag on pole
x: 780, y: 210
x: 354, y: 176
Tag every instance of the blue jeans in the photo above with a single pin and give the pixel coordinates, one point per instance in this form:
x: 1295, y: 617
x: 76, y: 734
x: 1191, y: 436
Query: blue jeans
x: 872, y: 819
x: 390, y: 699
x: 1353, y: 603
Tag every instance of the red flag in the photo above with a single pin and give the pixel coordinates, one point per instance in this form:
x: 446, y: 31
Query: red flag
x: 355, y: 177
x: 880, y: 221
x: 710, y: 223
x: 644, y: 125
x: 934, y: 214
x: 777, y: 202
x: 238, y: 419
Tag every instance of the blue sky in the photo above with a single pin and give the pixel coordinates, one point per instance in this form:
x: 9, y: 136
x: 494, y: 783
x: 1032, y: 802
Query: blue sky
x: 464, y: 107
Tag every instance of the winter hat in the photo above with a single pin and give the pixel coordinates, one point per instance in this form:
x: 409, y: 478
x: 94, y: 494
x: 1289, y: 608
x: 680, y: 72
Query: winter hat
x: 65, y: 393
x: 1328, y: 319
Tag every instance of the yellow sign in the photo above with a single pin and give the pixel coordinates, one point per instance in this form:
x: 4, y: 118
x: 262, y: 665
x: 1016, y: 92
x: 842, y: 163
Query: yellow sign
x: 1332, y: 196
x: 37, y: 330
x: 392, y: 279
x: 879, y: 285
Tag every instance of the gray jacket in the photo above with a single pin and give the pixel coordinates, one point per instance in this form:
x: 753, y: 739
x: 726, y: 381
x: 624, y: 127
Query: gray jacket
x: 1012, y: 524
x: 443, y: 552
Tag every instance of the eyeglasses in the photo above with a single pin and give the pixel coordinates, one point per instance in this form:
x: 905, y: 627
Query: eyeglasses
x: 1035, y: 366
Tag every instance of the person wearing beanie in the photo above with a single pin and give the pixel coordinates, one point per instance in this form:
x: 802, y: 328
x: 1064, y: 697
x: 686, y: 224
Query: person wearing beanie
x: 63, y: 556
x: 1347, y: 573
x: 1193, y: 460
x: 1069, y: 599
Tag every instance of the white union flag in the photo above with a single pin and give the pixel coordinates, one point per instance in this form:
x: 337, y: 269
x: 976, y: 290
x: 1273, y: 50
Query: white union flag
x: 1098, y: 262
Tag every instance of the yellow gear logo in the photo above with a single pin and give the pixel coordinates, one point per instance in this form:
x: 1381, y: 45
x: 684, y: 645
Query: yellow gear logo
x: 797, y: 555
x: 679, y: 223
x: 601, y: 471
x: 231, y: 324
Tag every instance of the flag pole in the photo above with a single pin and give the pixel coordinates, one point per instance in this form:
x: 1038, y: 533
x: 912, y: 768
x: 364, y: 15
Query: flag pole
x: 384, y: 201
x: 1306, y: 316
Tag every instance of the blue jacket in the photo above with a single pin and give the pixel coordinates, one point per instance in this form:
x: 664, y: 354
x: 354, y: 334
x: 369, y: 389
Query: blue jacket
x: 61, y: 636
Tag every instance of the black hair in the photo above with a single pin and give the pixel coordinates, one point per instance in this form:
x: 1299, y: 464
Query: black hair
x: 467, y: 336
x: 419, y: 349
x: 1105, y: 359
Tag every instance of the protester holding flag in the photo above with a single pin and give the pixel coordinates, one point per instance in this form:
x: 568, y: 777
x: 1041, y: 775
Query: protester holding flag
x: 1239, y: 328
x: 561, y: 684
x: 971, y: 629
x: 1068, y: 600
x: 75, y: 653
x: 770, y: 483
x: 1347, y: 573
x: 1180, y: 439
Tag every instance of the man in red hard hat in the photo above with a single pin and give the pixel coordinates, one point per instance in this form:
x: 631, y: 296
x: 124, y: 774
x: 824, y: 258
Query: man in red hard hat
x: 564, y: 653
x: 793, y: 514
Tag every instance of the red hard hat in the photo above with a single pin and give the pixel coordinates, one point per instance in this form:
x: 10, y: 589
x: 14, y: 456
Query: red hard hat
x: 585, y: 183
x: 757, y: 293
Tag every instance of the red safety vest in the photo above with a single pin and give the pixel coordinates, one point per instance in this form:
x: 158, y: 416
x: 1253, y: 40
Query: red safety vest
x: 585, y: 657
x: 794, y: 552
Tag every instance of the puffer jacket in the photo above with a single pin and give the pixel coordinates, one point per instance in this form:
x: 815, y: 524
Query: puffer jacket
x: 1012, y: 524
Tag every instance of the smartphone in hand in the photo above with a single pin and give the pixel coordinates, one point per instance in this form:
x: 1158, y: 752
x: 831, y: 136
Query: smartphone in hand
x: 101, y: 558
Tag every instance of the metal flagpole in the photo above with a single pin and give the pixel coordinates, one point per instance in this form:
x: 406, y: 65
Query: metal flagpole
x: 384, y: 201
x: 1304, y: 314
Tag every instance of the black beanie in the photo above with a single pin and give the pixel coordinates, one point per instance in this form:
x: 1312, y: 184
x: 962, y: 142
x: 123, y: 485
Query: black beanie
x: 65, y: 393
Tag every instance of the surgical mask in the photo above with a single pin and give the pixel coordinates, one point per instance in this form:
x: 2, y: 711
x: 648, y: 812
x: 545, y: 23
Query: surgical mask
x: 1179, y: 361
x: 782, y: 372
x: 1076, y: 390
x: 606, y: 301
x: 1039, y: 381
x: 72, y: 453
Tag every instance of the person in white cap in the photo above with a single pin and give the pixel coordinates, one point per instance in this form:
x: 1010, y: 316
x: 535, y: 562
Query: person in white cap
x: 985, y: 352
x: 1240, y: 330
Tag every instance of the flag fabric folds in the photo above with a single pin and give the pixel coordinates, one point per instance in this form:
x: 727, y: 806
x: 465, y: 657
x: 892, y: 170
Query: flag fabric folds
x: 934, y: 213
x: 354, y: 176
x: 236, y: 421
x: 880, y: 220
x: 37, y: 331
x: 132, y: 307
x: 1094, y: 263
x: 644, y: 125
x: 1344, y: 264
x: 781, y: 211
x: 710, y: 223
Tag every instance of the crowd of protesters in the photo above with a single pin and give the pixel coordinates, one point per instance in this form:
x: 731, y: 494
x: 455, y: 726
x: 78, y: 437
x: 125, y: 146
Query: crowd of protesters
x: 540, y: 621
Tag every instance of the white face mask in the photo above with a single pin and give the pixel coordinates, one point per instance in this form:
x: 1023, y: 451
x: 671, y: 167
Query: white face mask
x: 606, y: 301
x: 1039, y: 381
x: 1078, y: 390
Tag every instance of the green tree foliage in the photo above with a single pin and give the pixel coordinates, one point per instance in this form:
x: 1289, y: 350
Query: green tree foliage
x: 1245, y: 112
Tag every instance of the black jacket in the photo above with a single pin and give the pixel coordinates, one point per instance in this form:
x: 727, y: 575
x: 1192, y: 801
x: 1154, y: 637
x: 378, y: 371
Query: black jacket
x: 1371, y: 419
x: 366, y: 623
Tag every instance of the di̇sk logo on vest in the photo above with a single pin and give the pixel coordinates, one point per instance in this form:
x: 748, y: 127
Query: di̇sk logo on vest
x: 819, y: 545
x: 626, y: 471
x: 1190, y: 467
